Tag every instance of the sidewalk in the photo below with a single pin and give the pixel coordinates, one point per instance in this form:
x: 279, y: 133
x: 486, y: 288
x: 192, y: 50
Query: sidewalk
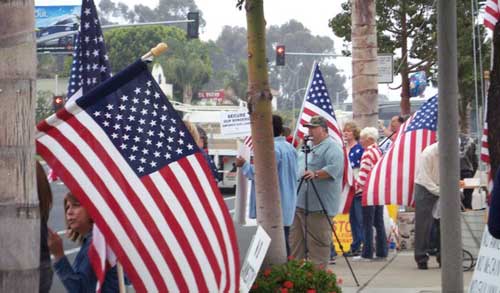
x: 398, y: 274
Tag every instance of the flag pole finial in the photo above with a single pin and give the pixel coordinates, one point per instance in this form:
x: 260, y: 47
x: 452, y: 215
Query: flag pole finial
x: 156, y: 51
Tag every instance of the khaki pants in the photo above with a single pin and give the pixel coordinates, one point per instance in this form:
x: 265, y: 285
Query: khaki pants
x: 319, y: 237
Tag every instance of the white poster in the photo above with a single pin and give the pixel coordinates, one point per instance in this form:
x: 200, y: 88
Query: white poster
x: 486, y: 276
x: 235, y: 124
x: 254, y: 258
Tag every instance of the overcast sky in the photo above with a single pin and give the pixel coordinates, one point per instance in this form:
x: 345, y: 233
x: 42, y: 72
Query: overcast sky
x: 314, y: 14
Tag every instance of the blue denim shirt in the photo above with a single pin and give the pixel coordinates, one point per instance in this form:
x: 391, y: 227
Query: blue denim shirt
x: 286, y: 161
x: 80, y: 276
x: 329, y: 157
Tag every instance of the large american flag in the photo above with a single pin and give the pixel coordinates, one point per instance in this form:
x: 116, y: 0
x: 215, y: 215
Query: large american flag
x: 90, y: 61
x: 490, y: 18
x: 126, y: 155
x: 392, y: 178
x: 90, y: 67
x: 491, y: 14
x: 318, y: 102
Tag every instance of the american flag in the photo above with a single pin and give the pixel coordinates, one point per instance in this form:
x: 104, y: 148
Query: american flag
x: 124, y: 152
x: 485, y: 152
x: 90, y: 61
x: 318, y: 102
x: 248, y: 142
x: 392, y: 178
x: 90, y: 67
x: 490, y: 18
x: 491, y: 14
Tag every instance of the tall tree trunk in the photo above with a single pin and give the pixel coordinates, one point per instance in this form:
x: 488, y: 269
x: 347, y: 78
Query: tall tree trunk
x: 493, y: 114
x: 268, y: 202
x: 405, y: 79
x: 19, y: 214
x: 364, y: 63
x: 187, y: 94
x: 464, y: 110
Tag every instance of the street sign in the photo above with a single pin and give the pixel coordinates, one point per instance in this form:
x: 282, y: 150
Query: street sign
x: 385, y: 68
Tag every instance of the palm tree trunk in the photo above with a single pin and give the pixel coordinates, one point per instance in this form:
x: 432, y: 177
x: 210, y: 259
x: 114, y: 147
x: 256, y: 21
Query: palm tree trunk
x: 19, y: 214
x: 364, y: 63
x: 405, y: 79
x: 187, y: 94
x: 268, y: 203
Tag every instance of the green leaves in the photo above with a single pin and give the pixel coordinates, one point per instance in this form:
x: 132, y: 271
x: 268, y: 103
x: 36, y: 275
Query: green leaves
x: 296, y: 276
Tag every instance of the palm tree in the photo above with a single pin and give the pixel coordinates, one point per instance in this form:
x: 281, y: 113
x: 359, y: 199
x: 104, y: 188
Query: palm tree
x: 19, y: 214
x: 364, y: 63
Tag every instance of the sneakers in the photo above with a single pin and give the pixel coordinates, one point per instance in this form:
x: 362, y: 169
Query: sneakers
x: 352, y: 253
x: 422, y: 266
x: 361, y: 259
x: 333, y: 260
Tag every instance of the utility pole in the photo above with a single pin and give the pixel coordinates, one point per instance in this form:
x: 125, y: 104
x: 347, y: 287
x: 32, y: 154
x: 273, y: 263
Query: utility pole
x: 451, y: 236
x: 19, y: 213
x: 364, y: 63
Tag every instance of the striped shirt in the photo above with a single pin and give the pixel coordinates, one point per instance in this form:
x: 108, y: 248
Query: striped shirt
x: 370, y: 156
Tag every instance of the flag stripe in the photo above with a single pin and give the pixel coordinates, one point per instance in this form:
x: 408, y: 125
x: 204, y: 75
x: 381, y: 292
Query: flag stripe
x: 178, y: 184
x: 195, y: 183
x: 182, y: 233
x: 491, y: 14
x: 217, y: 205
x: 67, y: 168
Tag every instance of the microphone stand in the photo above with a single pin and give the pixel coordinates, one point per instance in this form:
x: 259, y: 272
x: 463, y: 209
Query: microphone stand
x: 307, y: 149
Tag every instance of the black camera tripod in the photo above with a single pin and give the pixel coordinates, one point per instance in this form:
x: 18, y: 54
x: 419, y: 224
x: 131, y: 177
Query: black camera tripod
x: 306, y: 150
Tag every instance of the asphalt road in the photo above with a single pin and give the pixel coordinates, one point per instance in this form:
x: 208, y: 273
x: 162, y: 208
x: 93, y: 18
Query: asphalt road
x: 56, y: 223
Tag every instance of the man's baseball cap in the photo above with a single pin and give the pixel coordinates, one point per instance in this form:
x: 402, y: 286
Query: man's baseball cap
x: 317, y: 121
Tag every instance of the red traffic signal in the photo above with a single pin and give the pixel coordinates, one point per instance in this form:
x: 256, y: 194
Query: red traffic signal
x: 57, y: 102
x: 280, y: 55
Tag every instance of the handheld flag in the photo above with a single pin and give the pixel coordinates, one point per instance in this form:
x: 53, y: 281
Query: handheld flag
x: 318, y: 102
x: 124, y: 152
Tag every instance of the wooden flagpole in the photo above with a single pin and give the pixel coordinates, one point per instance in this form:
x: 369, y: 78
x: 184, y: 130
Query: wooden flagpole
x: 121, y: 277
x: 155, y: 52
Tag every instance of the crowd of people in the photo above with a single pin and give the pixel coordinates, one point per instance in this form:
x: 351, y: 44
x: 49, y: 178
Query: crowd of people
x: 310, y: 184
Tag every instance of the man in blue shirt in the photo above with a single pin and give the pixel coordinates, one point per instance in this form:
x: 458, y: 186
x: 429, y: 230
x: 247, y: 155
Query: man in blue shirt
x: 325, y: 169
x: 286, y: 162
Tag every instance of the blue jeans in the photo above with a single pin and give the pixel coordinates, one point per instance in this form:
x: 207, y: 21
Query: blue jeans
x: 373, y: 216
x: 356, y: 221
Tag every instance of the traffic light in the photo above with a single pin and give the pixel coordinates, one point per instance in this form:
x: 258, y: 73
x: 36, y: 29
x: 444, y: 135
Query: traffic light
x: 57, y: 103
x: 280, y: 55
x: 193, y: 26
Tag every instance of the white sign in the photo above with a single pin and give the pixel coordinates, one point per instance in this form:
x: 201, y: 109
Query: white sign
x: 385, y: 68
x: 235, y: 124
x: 486, y: 276
x: 253, y: 259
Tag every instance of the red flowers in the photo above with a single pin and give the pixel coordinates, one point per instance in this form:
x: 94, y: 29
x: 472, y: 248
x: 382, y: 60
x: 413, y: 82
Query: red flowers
x: 288, y: 284
x: 311, y: 291
x: 267, y: 272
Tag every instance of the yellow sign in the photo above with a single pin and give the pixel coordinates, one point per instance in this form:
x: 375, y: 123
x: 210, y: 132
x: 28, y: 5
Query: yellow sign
x: 343, y: 230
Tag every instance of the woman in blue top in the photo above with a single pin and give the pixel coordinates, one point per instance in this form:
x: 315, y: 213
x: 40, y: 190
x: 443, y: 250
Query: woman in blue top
x: 80, y: 276
x: 351, y: 137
